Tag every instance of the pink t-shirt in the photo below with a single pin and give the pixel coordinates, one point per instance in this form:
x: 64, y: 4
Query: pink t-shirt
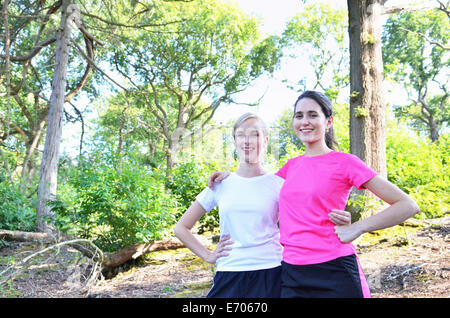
x: 313, y: 187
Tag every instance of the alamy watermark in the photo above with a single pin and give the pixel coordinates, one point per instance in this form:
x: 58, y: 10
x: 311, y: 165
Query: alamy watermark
x: 216, y: 142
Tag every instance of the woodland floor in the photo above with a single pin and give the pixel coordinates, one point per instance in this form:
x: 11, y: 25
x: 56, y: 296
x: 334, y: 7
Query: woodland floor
x: 406, y: 261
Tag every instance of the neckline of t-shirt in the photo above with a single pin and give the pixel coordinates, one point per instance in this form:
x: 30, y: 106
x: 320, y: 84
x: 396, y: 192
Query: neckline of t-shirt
x: 251, y: 178
x: 320, y: 156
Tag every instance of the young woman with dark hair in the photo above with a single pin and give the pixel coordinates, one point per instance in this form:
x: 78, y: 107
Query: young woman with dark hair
x: 318, y: 258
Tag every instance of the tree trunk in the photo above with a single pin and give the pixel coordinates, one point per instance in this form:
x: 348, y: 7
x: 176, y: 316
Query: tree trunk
x: 49, y: 165
x: 169, y: 159
x: 26, y: 175
x: 367, y: 106
x: 21, y: 236
x: 434, y: 130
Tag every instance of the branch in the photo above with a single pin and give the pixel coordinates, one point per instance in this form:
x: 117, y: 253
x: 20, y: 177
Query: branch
x: 161, y: 120
x: 444, y: 8
x: 11, y: 272
x: 106, y: 259
x: 84, y: 79
x: 405, y: 8
x: 427, y: 38
x: 38, y: 46
x: 20, y: 236
x: 17, y: 128
x: 23, y: 108
x: 90, y: 61
x: 32, y: 53
x: 137, y: 250
x: 212, y: 107
x: 133, y: 26
x: 80, y: 115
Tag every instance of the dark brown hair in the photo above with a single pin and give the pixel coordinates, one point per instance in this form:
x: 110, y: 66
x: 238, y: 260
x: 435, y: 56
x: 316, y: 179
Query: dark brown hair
x: 326, y: 106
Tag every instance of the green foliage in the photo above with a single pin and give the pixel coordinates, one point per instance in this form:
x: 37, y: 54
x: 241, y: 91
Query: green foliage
x: 341, y: 116
x: 414, y: 55
x: 361, y: 112
x: 16, y: 210
x: 291, y: 151
x: 287, y: 139
x: 420, y: 168
x: 187, y: 181
x: 360, y: 206
x: 117, y: 209
x: 318, y: 33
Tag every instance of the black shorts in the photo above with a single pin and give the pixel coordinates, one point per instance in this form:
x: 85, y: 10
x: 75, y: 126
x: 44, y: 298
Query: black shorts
x: 263, y: 283
x: 339, y: 277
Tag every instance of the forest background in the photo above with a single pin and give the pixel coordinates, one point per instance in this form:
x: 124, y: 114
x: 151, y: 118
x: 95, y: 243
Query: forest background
x: 153, y: 88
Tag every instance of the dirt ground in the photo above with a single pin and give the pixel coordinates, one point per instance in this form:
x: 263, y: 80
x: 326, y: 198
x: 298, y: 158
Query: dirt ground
x: 407, y: 261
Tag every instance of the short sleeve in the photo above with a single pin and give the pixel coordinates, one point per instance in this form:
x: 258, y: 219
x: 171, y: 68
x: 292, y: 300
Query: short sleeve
x: 276, y: 185
x: 358, y: 172
x: 279, y: 181
x: 283, y: 171
x: 207, y: 199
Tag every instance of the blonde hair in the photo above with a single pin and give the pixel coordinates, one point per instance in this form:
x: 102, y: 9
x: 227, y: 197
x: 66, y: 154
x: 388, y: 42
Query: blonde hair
x: 246, y: 116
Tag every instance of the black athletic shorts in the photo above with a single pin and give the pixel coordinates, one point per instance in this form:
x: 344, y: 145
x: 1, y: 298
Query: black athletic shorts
x: 264, y: 283
x: 339, y: 277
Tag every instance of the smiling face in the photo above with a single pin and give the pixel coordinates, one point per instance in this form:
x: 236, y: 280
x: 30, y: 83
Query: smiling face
x: 250, y: 141
x: 310, y: 123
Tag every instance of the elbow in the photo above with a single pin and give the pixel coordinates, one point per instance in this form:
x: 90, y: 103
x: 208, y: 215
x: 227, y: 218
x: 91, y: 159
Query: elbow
x: 414, y: 208
x: 177, y: 230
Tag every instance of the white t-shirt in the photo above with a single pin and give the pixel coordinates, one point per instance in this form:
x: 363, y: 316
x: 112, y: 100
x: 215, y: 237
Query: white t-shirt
x: 248, y: 212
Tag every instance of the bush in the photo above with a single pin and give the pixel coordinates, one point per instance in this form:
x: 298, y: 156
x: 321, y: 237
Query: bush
x: 420, y: 168
x: 17, y: 212
x: 188, y: 180
x: 116, y: 209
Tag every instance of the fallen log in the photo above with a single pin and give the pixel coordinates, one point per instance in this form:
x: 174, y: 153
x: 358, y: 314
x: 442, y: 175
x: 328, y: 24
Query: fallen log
x: 20, y: 236
x: 108, y: 259
x: 133, y: 252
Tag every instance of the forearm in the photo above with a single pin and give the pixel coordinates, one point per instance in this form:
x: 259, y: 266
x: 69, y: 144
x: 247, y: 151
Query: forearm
x: 393, y: 215
x: 191, y: 242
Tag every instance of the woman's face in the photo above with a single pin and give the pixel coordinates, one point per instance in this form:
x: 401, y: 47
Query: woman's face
x: 310, y: 123
x: 250, y: 141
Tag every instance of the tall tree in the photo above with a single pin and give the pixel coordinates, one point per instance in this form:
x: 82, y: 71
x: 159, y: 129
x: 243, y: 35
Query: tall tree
x: 367, y: 104
x: 49, y: 165
x: 415, y: 55
x: 31, y: 53
x: 31, y: 59
x: 184, y: 73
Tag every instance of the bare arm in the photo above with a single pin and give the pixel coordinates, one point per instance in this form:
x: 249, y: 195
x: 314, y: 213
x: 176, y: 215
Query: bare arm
x: 401, y: 208
x: 183, y: 232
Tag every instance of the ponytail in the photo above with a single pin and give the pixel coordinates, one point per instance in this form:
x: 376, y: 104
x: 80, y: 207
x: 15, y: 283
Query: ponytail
x: 330, y: 141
